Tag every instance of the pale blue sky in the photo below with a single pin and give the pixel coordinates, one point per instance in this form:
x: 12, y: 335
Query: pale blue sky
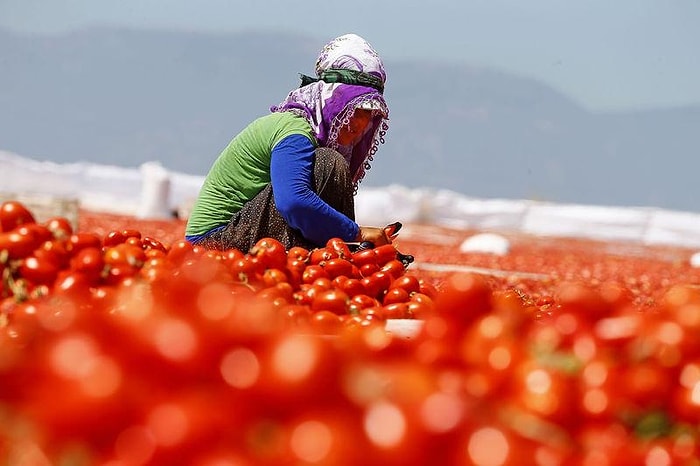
x: 605, y: 54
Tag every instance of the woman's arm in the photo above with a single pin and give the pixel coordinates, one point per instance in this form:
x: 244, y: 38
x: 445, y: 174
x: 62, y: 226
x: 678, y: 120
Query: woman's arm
x: 291, y: 169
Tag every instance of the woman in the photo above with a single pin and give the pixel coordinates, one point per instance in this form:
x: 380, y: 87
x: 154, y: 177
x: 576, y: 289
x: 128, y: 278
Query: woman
x: 292, y: 174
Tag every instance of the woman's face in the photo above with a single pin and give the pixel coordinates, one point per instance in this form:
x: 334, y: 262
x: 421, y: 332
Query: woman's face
x: 351, y: 133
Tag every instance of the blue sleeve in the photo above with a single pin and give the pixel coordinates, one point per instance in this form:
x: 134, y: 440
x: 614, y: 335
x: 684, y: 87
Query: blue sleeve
x: 291, y: 170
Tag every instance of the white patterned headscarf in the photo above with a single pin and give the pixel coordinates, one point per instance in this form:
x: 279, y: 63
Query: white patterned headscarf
x: 349, y: 75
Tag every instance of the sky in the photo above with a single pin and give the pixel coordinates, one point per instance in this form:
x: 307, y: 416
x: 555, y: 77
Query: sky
x: 604, y: 54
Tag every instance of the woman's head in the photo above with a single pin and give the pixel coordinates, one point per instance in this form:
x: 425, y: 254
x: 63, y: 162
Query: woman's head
x: 358, y: 125
x: 346, y: 91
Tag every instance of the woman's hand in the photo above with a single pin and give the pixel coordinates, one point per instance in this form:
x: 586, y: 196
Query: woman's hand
x: 375, y: 235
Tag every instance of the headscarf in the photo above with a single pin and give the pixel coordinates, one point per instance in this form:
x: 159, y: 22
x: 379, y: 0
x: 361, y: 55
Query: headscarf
x: 349, y: 75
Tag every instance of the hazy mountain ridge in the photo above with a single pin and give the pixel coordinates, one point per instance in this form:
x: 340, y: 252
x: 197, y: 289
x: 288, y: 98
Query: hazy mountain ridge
x: 126, y: 96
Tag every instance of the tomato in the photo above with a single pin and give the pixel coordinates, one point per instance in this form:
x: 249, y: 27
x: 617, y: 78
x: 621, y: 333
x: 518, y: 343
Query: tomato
x: 337, y: 267
x: 395, y: 295
x: 72, y: 284
x: 134, y: 241
x: 295, y: 270
x: 38, y: 270
x: 80, y: 240
x: 333, y: 300
x: 397, y: 310
x: 353, y: 287
x: 384, y: 254
x: 115, y: 274
x: 428, y: 288
x: 14, y: 214
x: 364, y: 257
x: 90, y: 262
x: 394, y: 267
x: 423, y: 299
x: 368, y: 269
x: 298, y: 253
x: 270, y: 252
x: 377, y: 284
x: 231, y: 255
x: 410, y: 283
x: 113, y: 237
x: 465, y: 298
x: 298, y: 315
x: 313, y: 272
x: 271, y: 277
x: 324, y: 283
x: 321, y: 255
x: 124, y: 254
x: 339, y: 247
x: 54, y: 251
x: 60, y: 227
x: 362, y: 301
x: 39, y: 232
x: 18, y: 245
x: 180, y: 250
x: 418, y: 310
x: 326, y: 322
x: 307, y: 293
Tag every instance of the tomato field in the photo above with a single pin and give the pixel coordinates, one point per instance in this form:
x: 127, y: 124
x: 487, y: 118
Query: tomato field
x: 121, y: 344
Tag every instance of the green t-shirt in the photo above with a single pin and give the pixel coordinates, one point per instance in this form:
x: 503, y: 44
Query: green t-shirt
x: 242, y: 170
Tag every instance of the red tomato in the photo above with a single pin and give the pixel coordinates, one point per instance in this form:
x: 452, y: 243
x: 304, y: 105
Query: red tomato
x: 395, y: 311
x: 313, y: 272
x: 73, y: 284
x: 377, y: 284
x: 368, y: 269
x: 410, y: 283
x: 418, y: 310
x: 124, y: 254
x: 321, y: 255
x: 333, y: 300
x: 353, y: 287
x: 298, y: 253
x: 55, y: 251
x: 307, y: 293
x: 60, y: 227
x: 90, y: 262
x: 39, y: 232
x: 38, y: 270
x: 113, y: 238
x: 323, y: 283
x: 466, y: 297
x: 326, y: 322
x: 362, y: 301
x: 131, y: 233
x: 18, y: 245
x: 395, y: 295
x: 298, y: 314
x: 337, y: 267
x: 339, y: 247
x: 428, y: 288
x: 14, y: 214
x: 179, y: 251
x: 270, y: 252
x: 363, y: 257
x: 394, y: 267
x: 80, y: 240
x: 384, y: 254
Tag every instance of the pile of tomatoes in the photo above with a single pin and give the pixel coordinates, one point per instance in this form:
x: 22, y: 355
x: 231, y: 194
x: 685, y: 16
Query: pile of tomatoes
x: 121, y: 350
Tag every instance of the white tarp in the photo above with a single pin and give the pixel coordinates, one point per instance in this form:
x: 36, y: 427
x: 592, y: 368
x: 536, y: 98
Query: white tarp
x: 151, y: 191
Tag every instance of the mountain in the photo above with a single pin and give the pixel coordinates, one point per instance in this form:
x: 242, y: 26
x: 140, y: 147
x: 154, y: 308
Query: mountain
x: 125, y: 97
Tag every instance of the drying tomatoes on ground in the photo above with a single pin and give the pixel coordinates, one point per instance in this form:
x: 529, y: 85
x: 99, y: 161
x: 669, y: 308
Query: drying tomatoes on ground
x: 121, y: 348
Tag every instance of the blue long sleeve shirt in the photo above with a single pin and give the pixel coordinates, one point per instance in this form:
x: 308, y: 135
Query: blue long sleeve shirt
x: 291, y: 169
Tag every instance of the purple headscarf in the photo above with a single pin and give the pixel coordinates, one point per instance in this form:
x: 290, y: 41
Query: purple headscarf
x: 329, y: 106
